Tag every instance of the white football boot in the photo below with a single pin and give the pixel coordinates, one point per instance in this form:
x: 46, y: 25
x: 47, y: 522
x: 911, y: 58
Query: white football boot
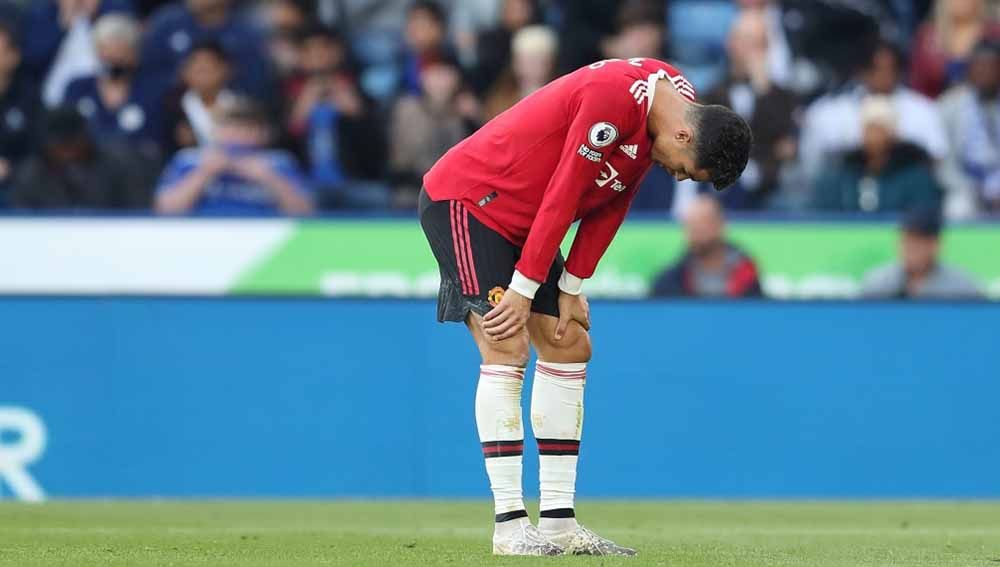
x: 581, y: 541
x: 522, y: 538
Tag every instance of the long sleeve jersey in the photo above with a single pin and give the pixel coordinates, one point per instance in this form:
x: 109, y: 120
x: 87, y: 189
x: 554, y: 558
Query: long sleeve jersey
x: 576, y: 149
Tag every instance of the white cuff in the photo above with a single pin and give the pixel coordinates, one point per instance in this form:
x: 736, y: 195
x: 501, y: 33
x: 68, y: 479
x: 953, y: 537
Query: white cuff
x: 524, y: 285
x: 568, y: 283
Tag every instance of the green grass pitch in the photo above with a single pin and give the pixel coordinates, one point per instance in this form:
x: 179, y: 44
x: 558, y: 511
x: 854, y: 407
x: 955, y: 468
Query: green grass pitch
x: 423, y: 533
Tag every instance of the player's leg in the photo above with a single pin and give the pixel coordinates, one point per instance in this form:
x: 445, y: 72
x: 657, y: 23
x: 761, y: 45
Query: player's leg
x: 498, y: 417
x: 476, y: 263
x: 501, y: 433
x: 557, y: 423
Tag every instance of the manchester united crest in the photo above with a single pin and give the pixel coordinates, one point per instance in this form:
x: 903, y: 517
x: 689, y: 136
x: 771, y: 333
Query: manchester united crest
x: 494, y: 296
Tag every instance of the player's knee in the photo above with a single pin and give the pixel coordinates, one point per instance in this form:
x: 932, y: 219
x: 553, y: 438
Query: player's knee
x: 573, y: 347
x: 511, y: 352
x: 583, y: 347
x: 580, y: 350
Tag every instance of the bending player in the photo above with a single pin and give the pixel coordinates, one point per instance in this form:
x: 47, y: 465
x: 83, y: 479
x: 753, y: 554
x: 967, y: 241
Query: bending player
x: 495, y: 210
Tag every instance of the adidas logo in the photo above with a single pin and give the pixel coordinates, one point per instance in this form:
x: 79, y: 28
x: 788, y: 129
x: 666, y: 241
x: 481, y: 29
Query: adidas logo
x: 631, y: 150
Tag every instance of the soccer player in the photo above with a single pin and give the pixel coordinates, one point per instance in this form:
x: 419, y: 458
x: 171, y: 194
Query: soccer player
x: 496, y: 208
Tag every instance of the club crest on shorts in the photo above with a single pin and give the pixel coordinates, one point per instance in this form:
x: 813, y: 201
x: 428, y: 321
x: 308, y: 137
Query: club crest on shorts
x: 495, y: 296
x: 602, y: 134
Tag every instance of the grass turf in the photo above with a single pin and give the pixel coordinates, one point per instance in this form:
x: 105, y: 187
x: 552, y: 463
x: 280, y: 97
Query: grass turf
x: 679, y: 534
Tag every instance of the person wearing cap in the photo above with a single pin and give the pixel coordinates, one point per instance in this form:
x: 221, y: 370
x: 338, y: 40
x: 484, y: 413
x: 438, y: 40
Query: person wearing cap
x: 919, y: 273
x: 885, y: 174
x: 72, y: 171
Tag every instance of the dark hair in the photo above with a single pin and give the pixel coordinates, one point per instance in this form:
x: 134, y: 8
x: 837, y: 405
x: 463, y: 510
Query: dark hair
x: 898, y: 55
x: 63, y: 124
x: 923, y: 222
x: 433, y: 9
x: 10, y: 32
x: 211, y: 46
x: 722, y: 142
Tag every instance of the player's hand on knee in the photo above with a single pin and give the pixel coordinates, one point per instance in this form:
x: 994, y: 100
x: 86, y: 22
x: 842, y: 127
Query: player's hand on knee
x: 508, y: 318
x: 572, y: 308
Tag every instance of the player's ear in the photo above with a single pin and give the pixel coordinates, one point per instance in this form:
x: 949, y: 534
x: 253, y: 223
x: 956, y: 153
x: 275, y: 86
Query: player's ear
x: 683, y: 136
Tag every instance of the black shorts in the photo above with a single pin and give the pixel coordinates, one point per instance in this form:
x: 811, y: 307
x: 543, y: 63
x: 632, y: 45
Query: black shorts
x: 476, y: 262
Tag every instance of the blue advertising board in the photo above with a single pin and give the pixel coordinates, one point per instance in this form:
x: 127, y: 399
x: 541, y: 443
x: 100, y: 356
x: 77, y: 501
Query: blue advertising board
x: 137, y: 397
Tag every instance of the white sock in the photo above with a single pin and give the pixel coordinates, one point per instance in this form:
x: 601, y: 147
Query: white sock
x: 557, y: 421
x: 501, y: 432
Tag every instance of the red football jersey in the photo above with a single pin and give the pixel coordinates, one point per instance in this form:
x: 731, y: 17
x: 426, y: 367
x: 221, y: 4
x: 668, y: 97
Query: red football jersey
x: 577, y: 149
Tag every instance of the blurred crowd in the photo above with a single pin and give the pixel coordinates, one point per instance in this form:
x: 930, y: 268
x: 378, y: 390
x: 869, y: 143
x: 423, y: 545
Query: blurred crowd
x: 298, y: 106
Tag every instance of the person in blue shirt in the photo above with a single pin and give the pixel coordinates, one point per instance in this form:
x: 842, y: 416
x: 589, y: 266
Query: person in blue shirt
x: 237, y: 173
x: 118, y: 104
x: 176, y: 28
x: 46, y: 22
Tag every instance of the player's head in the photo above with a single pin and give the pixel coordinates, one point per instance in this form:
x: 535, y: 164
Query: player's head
x: 710, y: 144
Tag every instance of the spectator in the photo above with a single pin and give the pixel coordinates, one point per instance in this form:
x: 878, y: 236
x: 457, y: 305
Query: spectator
x: 335, y: 125
x: 362, y: 16
x: 831, y: 124
x: 640, y: 33
x: 176, y: 29
x: 919, y: 274
x: 711, y: 266
x: 424, y: 128
x: 971, y: 112
x: 583, y: 25
x: 535, y: 49
x: 20, y: 109
x: 237, y: 173
x: 73, y: 172
x: 425, y: 37
x: 942, y: 46
x: 885, y: 174
x: 493, y: 46
x: 204, y: 76
x: 767, y: 107
x: 57, y: 41
x: 285, y: 20
x: 779, y: 64
x: 468, y: 21
x: 118, y: 103
x: 978, y: 141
